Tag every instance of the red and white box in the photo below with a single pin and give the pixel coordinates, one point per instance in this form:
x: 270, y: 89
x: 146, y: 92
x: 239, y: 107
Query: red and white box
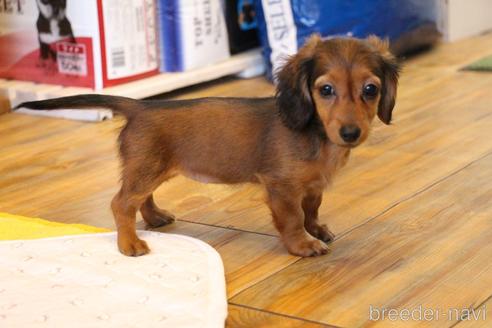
x: 82, y: 43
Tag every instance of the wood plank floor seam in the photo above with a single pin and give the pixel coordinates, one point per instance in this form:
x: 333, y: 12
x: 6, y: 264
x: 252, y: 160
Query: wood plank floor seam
x: 405, y: 199
x: 229, y: 228
x: 285, y: 315
x: 475, y: 308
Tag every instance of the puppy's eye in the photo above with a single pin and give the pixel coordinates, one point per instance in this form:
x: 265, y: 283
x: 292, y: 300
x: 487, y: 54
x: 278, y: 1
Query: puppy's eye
x: 370, y: 90
x: 327, y: 90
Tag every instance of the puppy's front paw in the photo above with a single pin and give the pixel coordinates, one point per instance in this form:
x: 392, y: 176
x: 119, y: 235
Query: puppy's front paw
x: 321, y: 232
x: 307, y: 246
x: 133, y: 247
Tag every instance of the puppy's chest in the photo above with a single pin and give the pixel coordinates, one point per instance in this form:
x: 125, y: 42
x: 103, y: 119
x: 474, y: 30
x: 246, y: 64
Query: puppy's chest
x: 333, y: 159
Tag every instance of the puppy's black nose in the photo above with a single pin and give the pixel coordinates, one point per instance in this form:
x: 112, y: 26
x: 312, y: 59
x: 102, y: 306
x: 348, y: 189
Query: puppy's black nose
x: 350, y: 133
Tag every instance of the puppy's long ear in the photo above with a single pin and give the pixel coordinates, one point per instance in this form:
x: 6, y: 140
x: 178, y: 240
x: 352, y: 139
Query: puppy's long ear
x: 389, y: 71
x: 294, y: 99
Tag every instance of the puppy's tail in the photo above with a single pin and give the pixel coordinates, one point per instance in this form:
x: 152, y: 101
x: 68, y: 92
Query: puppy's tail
x: 126, y: 106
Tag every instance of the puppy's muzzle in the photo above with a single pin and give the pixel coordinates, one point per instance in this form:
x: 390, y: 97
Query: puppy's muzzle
x: 349, y: 133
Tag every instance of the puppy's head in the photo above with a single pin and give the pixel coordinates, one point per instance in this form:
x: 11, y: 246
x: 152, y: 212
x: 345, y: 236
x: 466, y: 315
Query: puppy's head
x: 52, y: 9
x: 343, y: 83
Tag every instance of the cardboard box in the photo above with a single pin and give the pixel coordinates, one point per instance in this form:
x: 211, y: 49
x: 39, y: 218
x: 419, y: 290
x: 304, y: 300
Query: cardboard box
x: 89, y: 43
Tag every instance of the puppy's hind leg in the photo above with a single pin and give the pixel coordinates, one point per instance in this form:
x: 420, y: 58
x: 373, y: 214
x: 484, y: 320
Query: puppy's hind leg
x: 153, y: 215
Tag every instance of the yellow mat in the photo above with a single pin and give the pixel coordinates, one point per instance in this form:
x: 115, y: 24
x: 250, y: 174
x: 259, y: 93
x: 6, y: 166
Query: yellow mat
x: 14, y: 227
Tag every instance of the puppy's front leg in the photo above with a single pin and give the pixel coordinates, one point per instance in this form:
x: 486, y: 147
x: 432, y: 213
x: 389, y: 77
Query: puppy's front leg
x: 288, y: 217
x: 310, y: 205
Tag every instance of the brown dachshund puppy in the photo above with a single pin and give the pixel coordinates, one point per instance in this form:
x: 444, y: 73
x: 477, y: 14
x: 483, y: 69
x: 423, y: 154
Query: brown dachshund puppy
x: 292, y: 144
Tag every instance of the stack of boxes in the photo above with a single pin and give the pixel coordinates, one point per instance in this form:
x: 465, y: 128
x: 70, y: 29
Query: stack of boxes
x: 102, y: 43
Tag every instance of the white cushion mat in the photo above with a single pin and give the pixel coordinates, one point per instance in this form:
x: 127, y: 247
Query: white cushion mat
x: 83, y: 281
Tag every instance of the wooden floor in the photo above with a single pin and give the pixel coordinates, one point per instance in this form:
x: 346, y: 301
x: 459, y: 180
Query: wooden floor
x: 412, y: 211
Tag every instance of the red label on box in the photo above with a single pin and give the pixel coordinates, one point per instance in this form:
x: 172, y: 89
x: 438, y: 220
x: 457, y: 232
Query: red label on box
x: 72, y: 58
